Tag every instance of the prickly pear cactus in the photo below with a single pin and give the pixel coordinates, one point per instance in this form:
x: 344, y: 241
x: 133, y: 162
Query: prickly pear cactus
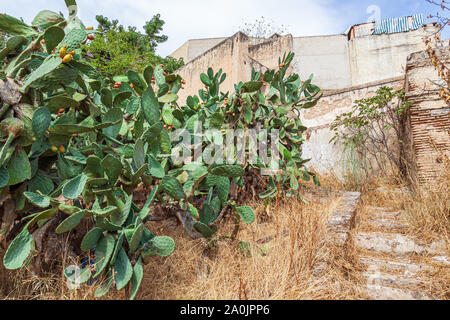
x: 74, y: 148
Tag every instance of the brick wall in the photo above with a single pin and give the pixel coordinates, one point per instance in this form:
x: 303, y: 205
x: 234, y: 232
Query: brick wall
x: 429, y: 118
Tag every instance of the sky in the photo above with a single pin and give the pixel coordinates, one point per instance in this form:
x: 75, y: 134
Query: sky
x: 197, y: 19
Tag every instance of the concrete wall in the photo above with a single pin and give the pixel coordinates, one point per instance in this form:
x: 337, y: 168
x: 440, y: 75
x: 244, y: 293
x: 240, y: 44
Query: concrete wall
x: 194, y: 48
x: 429, y: 118
x: 230, y: 55
x: 326, y: 57
x: 335, y: 61
x: 268, y: 52
x: 328, y: 157
x: 377, y: 57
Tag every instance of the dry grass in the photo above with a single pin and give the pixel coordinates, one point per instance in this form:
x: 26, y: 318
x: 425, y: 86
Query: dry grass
x: 426, y: 209
x: 286, y: 267
x: 285, y: 271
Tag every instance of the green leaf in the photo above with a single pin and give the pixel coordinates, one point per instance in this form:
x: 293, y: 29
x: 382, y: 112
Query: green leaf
x: 4, y: 177
x: 41, y: 121
x: 114, y: 115
x: 71, y: 222
x: 246, y: 213
x: 251, y: 86
x: 112, y: 167
x: 74, y: 38
x: 166, y: 144
x: 205, y: 79
x: 103, y: 253
x: 19, y: 168
x: 159, y: 76
x: 18, y: 250
x: 150, y: 106
x: 53, y: 36
x: 162, y: 246
x: 136, y: 279
x: 167, y: 114
x: 16, y: 27
x: 173, y: 188
x: 216, y: 120
x: 136, y: 238
x: 121, y: 97
x: 37, y: 199
x: 117, y: 248
x: 205, y: 230
x: 44, y: 69
x: 148, y: 74
x: 73, y: 188
x: 41, y: 182
x: 227, y: 170
x: 124, y: 270
x: 168, y: 98
x: 156, y: 169
x: 135, y: 79
x: 105, y: 286
x: 121, y: 217
x: 45, y: 19
x: 91, y: 238
x: 106, y: 97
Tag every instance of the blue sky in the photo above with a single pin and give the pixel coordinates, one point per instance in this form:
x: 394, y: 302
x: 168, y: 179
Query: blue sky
x: 213, y: 18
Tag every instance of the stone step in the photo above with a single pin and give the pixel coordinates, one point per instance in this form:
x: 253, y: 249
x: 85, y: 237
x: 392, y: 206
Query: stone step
x: 402, y: 267
x: 397, y: 244
x: 382, y: 214
x: 387, y: 224
x: 377, y: 292
x: 375, y: 277
x: 340, y: 221
x: 378, y: 209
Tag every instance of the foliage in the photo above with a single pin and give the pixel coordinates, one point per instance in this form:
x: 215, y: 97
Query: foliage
x: 441, y: 67
x: 365, y: 128
x: 75, y: 147
x: 115, y: 49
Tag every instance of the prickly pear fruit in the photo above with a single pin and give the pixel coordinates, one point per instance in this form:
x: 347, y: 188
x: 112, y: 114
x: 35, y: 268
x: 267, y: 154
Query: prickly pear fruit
x: 62, y: 149
x: 67, y: 58
x: 63, y: 51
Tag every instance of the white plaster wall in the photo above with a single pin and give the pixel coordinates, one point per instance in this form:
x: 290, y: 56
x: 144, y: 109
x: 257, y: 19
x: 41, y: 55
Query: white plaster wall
x: 328, y: 157
x: 373, y: 58
x: 326, y: 57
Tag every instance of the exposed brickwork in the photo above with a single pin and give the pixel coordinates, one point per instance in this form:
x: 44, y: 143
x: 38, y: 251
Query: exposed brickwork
x: 429, y: 119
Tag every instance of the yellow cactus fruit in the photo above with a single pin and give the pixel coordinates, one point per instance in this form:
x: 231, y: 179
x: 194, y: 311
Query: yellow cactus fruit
x: 63, y: 51
x: 67, y: 58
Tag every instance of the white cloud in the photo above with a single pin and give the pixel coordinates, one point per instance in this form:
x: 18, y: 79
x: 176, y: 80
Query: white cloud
x: 198, y: 18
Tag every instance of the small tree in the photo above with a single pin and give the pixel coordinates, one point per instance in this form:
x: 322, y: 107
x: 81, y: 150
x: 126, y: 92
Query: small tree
x: 262, y: 29
x: 374, y: 128
x: 443, y: 20
x: 116, y: 49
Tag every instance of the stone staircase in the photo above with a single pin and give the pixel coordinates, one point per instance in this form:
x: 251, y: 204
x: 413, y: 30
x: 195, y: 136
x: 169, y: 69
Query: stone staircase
x: 396, y: 266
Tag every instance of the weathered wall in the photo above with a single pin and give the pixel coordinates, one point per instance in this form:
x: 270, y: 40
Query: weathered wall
x: 328, y: 157
x: 377, y: 57
x: 335, y: 61
x: 429, y: 119
x: 268, y: 52
x: 229, y: 55
x: 194, y: 48
x: 326, y: 57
